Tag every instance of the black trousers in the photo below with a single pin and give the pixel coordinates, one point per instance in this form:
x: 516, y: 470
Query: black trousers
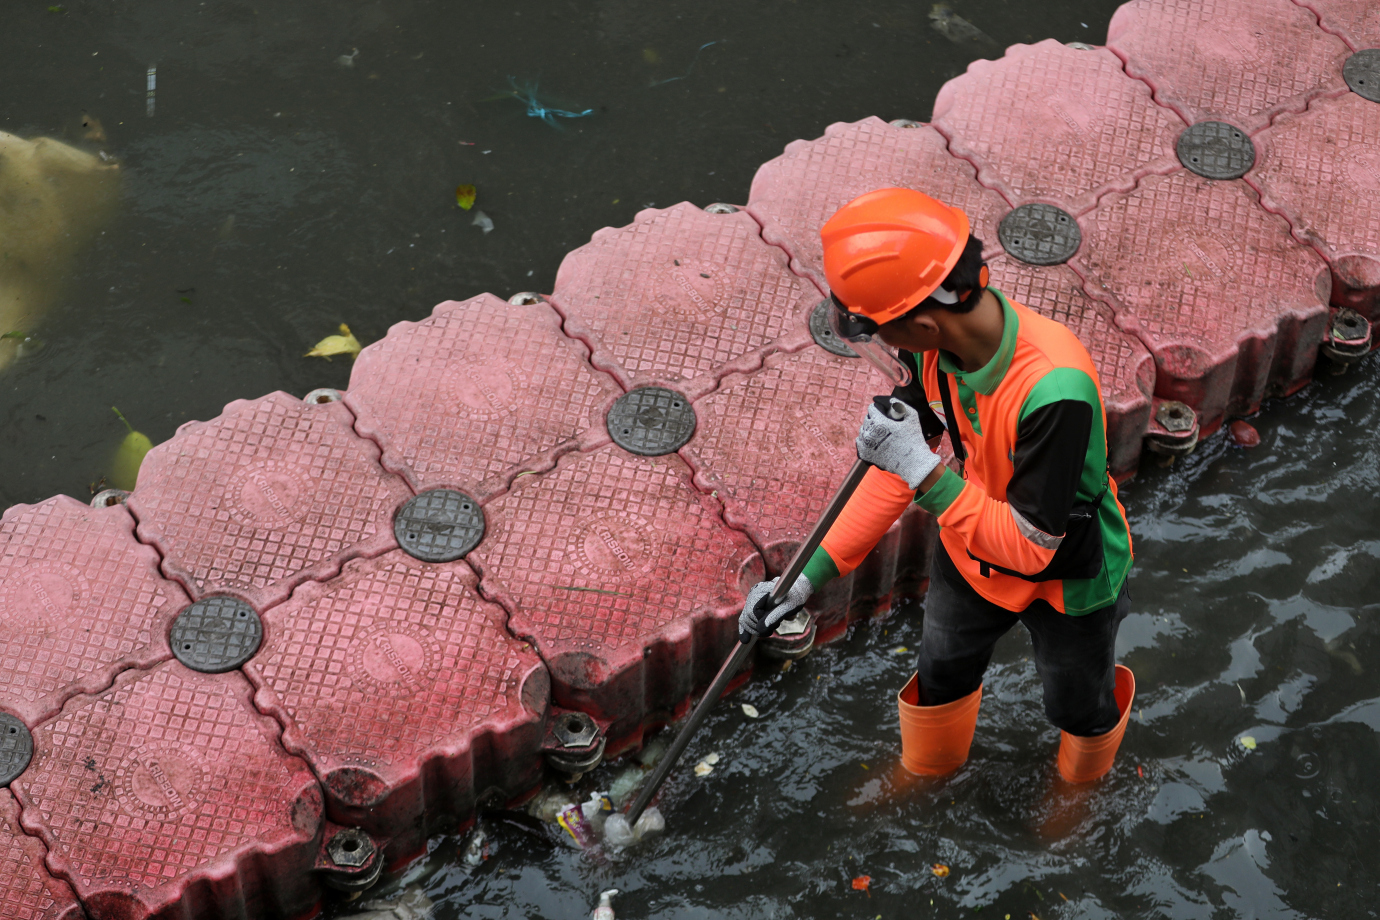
x: 1074, y: 656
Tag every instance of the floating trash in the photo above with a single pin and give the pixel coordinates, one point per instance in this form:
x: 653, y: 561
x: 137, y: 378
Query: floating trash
x: 1243, y: 434
x: 954, y: 27
x: 750, y: 711
x: 940, y: 870
x: 605, y: 909
x: 482, y: 221
x: 343, y: 344
x: 129, y: 456
x: 527, y: 95
x: 572, y: 818
x: 348, y: 60
x: 618, y: 833
x: 148, y: 93
x: 1247, y: 742
x: 654, y: 58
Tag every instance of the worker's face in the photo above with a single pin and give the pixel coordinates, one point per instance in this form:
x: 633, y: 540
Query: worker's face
x: 916, y: 333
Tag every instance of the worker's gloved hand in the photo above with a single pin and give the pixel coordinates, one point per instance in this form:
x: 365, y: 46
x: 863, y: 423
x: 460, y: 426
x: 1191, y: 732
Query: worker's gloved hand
x: 897, y: 446
x: 760, y: 619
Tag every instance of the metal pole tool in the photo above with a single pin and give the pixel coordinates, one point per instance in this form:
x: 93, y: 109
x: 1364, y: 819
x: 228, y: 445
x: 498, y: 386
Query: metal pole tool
x: 738, y: 657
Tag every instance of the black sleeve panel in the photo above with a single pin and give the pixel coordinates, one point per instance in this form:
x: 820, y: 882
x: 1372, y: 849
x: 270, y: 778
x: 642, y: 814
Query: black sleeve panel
x: 1051, y: 449
x: 913, y: 395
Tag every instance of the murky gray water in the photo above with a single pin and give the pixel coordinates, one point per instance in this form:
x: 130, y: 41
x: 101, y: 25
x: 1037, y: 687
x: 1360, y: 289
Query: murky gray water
x: 1256, y: 589
x: 277, y: 192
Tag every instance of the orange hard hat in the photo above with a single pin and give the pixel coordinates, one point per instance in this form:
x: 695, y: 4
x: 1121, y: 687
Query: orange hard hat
x: 887, y: 250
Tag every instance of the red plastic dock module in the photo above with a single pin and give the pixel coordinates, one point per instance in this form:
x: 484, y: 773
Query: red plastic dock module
x: 794, y: 194
x: 80, y: 600
x: 272, y: 492
x: 27, y: 891
x: 774, y: 446
x: 1230, y: 305
x: 1238, y: 61
x: 477, y: 393
x: 1124, y: 366
x: 1356, y: 21
x: 405, y: 693
x: 167, y: 796
x: 681, y: 296
x: 1320, y: 170
x: 624, y: 577
x: 1056, y: 124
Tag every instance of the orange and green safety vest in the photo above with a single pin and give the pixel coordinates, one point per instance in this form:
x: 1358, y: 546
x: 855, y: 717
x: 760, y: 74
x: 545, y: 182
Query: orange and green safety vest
x: 1035, y: 498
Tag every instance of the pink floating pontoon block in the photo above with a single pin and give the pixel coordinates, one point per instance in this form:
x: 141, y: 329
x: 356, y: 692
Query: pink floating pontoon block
x: 1356, y: 21
x: 477, y: 393
x: 271, y: 493
x: 794, y: 194
x: 1231, y: 306
x: 623, y: 576
x: 1320, y: 170
x: 27, y: 891
x: 1057, y: 124
x: 682, y: 296
x: 1238, y: 61
x: 404, y: 691
x: 80, y: 599
x: 167, y: 795
x: 1124, y: 367
x: 773, y: 447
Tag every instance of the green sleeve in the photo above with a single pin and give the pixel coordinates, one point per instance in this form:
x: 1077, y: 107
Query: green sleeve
x: 821, y: 569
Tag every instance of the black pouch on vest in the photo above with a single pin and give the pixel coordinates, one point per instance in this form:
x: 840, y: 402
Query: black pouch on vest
x: 1078, y: 556
x: 1080, y: 553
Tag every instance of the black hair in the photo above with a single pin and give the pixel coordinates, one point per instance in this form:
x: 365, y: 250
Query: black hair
x: 966, y: 275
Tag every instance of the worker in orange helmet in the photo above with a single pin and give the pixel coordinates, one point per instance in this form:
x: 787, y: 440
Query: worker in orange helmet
x: 1031, y: 529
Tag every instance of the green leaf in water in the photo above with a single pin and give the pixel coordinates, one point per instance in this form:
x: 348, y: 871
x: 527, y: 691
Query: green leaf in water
x: 124, y: 468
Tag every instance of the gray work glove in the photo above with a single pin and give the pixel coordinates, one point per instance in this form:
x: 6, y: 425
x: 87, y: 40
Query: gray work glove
x: 760, y: 619
x: 896, y: 445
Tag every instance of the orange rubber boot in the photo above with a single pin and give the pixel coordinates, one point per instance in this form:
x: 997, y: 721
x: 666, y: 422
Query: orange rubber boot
x: 935, y: 739
x: 1082, y: 760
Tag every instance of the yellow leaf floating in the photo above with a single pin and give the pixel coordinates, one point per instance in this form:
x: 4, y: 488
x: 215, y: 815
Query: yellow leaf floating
x: 343, y: 344
x: 1247, y: 742
x: 124, y: 467
x: 464, y: 196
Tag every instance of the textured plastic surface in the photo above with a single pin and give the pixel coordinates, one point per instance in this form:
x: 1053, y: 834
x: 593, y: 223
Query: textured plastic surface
x: 1056, y: 123
x: 793, y: 195
x: 623, y: 576
x: 272, y: 492
x: 440, y: 525
x: 1356, y: 21
x: 477, y: 393
x: 216, y: 634
x: 1124, y: 366
x: 80, y: 600
x: 1239, y: 61
x: 1230, y: 305
x: 683, y: 296
x: 403, y: 690
x: 27, y: 891
x: 1321, y: 171
x: 651, y: 421
x: 169, y: 787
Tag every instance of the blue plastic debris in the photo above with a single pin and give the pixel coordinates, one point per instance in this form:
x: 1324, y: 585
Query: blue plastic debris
x: 527, y: 95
